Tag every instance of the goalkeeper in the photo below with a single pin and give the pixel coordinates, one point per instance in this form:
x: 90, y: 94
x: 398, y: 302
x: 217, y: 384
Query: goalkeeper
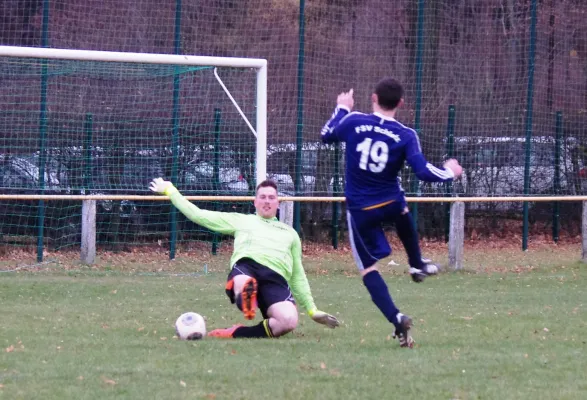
x: 266, y: 272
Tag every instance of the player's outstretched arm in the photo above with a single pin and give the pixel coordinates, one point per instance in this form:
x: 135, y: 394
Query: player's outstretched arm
x: 216, y: 221
x: 424, y: 170
x: 302, y: 293
x: 427, y: 172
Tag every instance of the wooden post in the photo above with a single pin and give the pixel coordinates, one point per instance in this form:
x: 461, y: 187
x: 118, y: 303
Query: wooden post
x: 456, y: 240
x: 286, y: 212
x: 584, y: 232
x: 88, y: 250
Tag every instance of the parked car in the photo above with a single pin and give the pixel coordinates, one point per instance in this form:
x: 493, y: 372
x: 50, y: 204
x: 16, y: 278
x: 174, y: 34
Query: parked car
x: 317, y: 169
x: 495, y: 166
x: 19, y: 175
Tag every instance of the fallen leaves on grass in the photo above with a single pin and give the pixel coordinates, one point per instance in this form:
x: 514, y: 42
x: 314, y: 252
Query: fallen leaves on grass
x: 322, y: 366
x: 108, y: 381
x: 505, y: 246
x: 306, y: 367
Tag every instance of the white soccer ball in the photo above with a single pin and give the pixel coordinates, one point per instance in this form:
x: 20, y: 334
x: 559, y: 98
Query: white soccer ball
x: 190, y: 326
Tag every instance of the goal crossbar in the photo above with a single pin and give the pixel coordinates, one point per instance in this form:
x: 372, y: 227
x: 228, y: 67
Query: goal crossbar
x: 123, y: 57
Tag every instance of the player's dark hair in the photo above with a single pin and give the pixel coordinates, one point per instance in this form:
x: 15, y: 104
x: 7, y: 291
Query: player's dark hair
x: 389, y: 93
x: 266, y: 183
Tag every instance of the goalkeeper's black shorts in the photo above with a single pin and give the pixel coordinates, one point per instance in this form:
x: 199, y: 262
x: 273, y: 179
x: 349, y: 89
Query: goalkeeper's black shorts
x: 271, y: 287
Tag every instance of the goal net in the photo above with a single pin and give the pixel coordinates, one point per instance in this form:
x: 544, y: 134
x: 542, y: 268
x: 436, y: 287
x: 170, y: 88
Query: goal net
x: 89, y: 122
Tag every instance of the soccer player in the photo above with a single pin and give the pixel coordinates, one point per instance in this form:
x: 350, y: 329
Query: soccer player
x: 267, y: 269
x: 377, y: 145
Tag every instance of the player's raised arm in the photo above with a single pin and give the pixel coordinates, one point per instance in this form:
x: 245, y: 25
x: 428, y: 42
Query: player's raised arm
x: 216, y: 221
x: 424, y: 170
x: 344, y: 105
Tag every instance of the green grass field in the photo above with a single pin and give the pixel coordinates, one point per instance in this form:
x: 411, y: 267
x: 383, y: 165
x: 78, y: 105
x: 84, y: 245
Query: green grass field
x: 108, y: 333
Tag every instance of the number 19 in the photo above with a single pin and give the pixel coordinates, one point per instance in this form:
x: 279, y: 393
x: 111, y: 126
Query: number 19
x: 378, y: 154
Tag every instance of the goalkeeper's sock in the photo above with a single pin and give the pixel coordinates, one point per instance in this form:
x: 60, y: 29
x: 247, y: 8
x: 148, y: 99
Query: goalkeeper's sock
x: 380, y: 295
x: 406, y: 230
x: 261, y: 330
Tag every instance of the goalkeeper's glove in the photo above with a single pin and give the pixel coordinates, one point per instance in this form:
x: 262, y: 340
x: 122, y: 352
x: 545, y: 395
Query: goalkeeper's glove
x: 323, y: 318
x: 158, y: 185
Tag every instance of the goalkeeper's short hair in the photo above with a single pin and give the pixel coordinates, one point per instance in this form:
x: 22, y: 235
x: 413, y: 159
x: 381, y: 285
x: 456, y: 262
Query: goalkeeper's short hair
x: 266, y: 183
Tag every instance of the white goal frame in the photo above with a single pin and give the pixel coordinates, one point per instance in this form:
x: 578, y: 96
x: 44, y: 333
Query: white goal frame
x: 260, y: 65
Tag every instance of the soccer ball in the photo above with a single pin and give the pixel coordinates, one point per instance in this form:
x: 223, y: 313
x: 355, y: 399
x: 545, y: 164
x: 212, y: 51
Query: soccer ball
x: 190, y: 326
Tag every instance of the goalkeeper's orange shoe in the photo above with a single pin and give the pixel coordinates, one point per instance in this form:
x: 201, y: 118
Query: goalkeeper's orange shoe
x: 248, y: 298
x: 225, y: 333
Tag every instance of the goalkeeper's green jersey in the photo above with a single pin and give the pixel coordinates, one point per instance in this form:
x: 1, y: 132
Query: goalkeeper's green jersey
x: 267, y: 241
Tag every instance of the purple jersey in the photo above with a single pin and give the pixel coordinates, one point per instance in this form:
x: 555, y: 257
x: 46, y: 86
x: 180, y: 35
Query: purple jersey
x: 376, y: 149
